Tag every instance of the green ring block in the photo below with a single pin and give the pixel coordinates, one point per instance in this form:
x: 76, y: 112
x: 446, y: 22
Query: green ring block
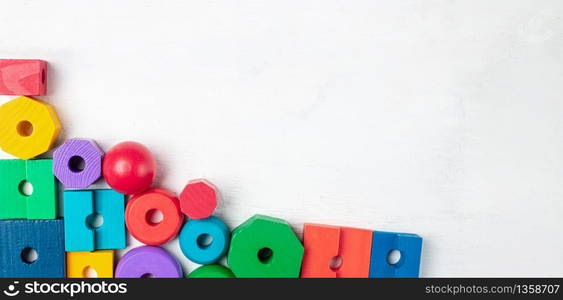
x: 211, y: 271
x: 42, y: 203
x: 259, y: 233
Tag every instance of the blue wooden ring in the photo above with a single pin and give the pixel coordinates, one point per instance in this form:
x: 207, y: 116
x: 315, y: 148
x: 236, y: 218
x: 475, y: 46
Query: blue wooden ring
x: 190, y: 240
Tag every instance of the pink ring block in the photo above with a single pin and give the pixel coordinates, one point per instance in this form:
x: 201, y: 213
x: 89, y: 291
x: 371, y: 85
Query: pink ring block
x: 74, y: 149
x: 25, y: 77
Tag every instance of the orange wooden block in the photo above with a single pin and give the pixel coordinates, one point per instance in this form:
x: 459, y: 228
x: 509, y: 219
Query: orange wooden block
x: 321, y: 244
x: 355, y: 250
x: 335, y: 252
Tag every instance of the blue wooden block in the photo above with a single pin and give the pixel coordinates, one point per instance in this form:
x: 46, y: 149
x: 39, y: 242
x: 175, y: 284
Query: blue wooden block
x: 80, y: 206
x: 191, y: 243
x: 408, y: 244
x: 44, y: 236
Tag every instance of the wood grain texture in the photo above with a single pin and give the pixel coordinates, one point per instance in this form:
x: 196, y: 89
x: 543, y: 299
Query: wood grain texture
x: 441, y: 118
x: 70, y: 176
x: 198, y: 199
x: 45, y: 236
x: 23, y: 77
x: 101, y: 261
x: 44, y: 127
x: 41, y: 203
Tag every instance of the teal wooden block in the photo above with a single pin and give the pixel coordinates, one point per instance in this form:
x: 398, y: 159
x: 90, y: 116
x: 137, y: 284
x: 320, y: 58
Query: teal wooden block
x: 111, y: 205
x: 78, y: 205
x: 14, y: 203
x: 82, y: 209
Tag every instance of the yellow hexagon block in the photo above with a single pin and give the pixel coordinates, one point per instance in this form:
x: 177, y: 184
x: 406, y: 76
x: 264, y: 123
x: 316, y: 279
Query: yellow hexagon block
x: 28, y: 127
x: 89, y: 264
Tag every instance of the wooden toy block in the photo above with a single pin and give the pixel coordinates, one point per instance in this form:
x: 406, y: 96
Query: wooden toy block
x: 23, y: 77
x: 355, y: 250
x: 198, y: 200
x: 212, y: 271
x: 42, y: 203
x: 148, y: 261
x: 78, y: 263
x: 336, y: 252
x: 264, y: 246
x: 78, y: 163
x: 138, y: 216
x: 20, y: 238
x: 322, y: 244
x: 28, y: 127
x: 196, y: 248
x: 14, y: 203
x: 410, y: 249
x: 129, y: 168
x: 80, y: 210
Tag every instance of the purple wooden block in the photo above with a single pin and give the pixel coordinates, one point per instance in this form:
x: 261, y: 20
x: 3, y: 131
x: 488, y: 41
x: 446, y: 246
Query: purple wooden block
x: 78, y: 163
x: 148, y: 261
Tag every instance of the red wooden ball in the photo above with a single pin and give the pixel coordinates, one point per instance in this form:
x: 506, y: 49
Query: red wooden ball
x: 129, y: 168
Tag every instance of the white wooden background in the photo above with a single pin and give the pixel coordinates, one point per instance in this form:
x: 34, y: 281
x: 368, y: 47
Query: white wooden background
x: 438, y: 117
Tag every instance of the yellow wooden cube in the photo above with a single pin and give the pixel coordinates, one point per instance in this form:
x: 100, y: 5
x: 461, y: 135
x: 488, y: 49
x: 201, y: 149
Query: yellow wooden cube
x: 28, y: 127
x: 80, y: 264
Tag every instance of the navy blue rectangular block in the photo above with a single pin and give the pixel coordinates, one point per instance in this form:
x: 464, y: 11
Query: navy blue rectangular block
x: 20, y: 237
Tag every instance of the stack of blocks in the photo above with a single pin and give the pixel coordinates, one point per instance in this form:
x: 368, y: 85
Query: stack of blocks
x: 96, y: 221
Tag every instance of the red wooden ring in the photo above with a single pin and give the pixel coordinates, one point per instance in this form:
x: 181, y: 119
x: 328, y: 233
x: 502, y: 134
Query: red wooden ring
x: 137, y: 216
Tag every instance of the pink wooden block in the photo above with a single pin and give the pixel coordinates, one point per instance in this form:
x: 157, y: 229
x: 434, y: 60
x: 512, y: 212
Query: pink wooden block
x: 198, y: 200
x: 25, y: 77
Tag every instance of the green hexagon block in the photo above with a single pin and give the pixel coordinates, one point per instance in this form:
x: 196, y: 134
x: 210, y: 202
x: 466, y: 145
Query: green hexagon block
x: 265, y: 247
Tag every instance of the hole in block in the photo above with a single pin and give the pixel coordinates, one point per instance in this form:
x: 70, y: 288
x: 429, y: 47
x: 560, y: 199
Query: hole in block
x: 76, y: 164
x: 335, y: 263
x: 147, y: 275
x: 154, y: 217
x: 26, y: 188
x: 393, y: 257
x: 25, y: 128
x: 94, y: 221
x: 43, y: 76
x: 89, y: 272
x: 204, y: 240
x: 29, y: 255
x: 265, y: 255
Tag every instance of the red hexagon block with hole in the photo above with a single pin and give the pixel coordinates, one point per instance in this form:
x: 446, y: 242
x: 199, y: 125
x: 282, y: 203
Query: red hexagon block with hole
x: 198, y: 200
x: 78, y: 163
x: 28, y: 127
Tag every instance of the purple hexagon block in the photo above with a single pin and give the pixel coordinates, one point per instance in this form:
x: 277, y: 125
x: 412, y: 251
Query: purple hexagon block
x: 78, y: 163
